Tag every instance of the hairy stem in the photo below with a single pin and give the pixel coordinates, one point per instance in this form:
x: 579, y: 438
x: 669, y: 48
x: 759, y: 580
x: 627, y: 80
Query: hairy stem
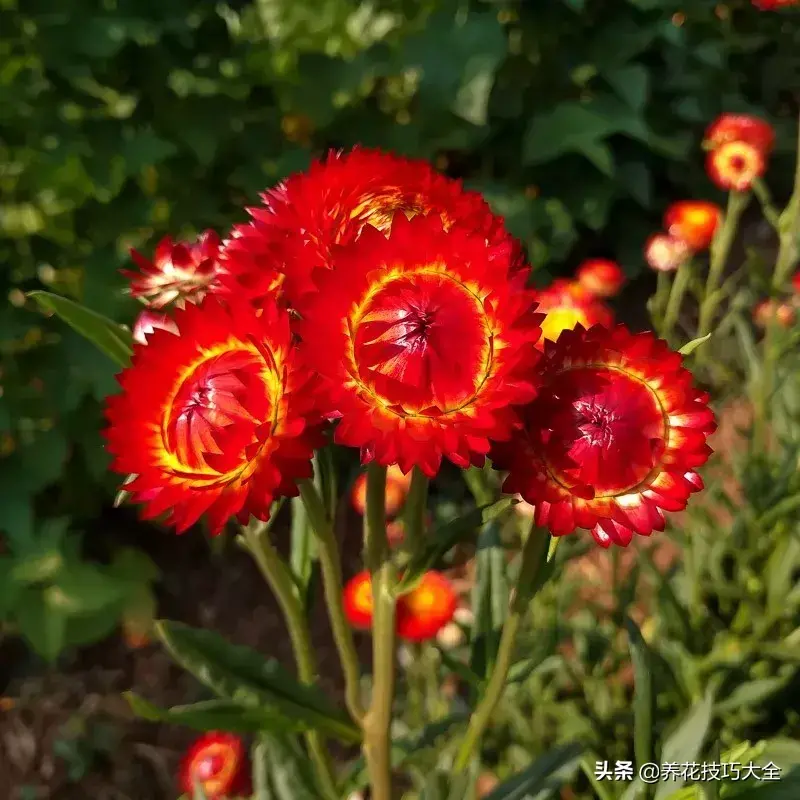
x: 331, y: 564
x: 277, y: 575
x: 378, y: 719
x: 534, y: 556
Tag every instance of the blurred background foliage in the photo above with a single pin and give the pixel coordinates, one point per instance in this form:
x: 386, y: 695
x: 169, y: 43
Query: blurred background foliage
x: 124, y: 120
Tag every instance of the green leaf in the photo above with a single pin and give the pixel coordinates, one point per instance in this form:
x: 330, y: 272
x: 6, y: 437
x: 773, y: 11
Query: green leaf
x: 82, y: 587
x: 568, y: 128
x: 642, y: 694
x: 242, y: 675
x: 631, y: 83
x: 444, y: 538
x: 145, y: 149
x: 489, y: 599
x: 750, y: 694
x: 290, y: 771
x: 210, y: 715
x: 546, y: 773
x: 9, y: 588
x: 43, y: 625
x: 690, y: 347
x: 112, y: 339
x: 787, y: 788
x: 303, y: 546
x: 685, y: 744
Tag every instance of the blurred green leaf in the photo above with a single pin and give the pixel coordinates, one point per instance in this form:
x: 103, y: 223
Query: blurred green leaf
x: 546, y: 773
x: 290, y: 771
x: 643, y: 695
x: 750, y: 694
x: 106, y: 335
x: 685, y: 744
x: 43, y: 624
x: 690, y: 347
x: 631, y: 83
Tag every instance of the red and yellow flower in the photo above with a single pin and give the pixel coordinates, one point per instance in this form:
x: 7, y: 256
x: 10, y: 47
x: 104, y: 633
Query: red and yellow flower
x: 613, y: 439
x: 600, y: 277
x: 215, y: 419
x: 397, y: 486
x: 179, y: 272
x: 358, y: 604
x: 425, y: 342
x: 149, y: 321
x: 666, y: 253
x: 740, y: 128
x: 694, y: 222
x: 735, y: 165
x: 218, y: 762
x: 566, y: 304
x: 300, y: 222
x: 427, y: 608
x: 769, y: 310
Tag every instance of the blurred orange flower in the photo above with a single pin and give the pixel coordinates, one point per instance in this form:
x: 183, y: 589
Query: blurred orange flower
x: 397, y: 485
x: 567, y: 304
x: 666, y: 253
x: 219, y: 763
x: 693, y: 221
x: 771, y: 309
x: 735, y: 165
x: 358, y: 606
x: 600, y: 276
x: 426, y: 609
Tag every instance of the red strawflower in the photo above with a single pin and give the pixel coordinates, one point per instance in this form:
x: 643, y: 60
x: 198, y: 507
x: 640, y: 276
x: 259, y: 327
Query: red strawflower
x: 735, y: 165
x: 773, y: 5
x: 796, y: 282
x: 179, y: 272
x: 566, y: 304
x: 358, y: 606
x: 300, y: 222
x: 740, y: 128
x: 148, y: 321
x: 425, y: 344
x: 769, y: 309
x: 694, y: 222
x: 427, y: 608
x: 613, y: 439
x: 666, y: 253
x: 220, y: 764
x: 213, y: 420
x: 600, y: 277
x: 397, y: 486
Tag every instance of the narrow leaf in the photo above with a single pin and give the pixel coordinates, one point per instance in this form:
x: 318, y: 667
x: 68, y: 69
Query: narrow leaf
x: 213, y: 715
x: 690, y: 347
x: 447, y: 537
x: 642, y: 695
x: 105, y: 334
x: 489, y: 600
x: 686, y: 743
x: 290, y: 771
x: 546, y: 773
x: 243, y: 676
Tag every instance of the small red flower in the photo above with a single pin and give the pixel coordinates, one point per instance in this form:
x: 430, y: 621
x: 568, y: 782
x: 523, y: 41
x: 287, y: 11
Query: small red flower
x: 425, y: 343
x: 600, y: 277
x: 178, y: 273
x: 740, y: 128
x: 397, y: 486
x: 219, y: 763
x: 358, y: 606
x: 213, y: 420
x: 294, y: 231
x: 149, y: 321
x: 735, y: 165
x: 426, y: 609
x: 613, y: 439
x: 768, y: 310
x: 666, y: 253
x: 773, y: 5
x: 796, y: 282
x: 567, y: 304
x: 693, y: 221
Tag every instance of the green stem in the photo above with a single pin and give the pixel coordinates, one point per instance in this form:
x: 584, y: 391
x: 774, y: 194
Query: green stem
x: 378, y: 719
x: 277, y: 575
x: 763, y: 388
x: 658, y: 301
x: 789, y: 228
x: 333, y: 584
x: 720, y: 250
x: 676, y: 295
x: 477, y: 483
x: 761, y: 191
x: 416, y: 506
x: 534, y: 556
x: 601, y: 791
